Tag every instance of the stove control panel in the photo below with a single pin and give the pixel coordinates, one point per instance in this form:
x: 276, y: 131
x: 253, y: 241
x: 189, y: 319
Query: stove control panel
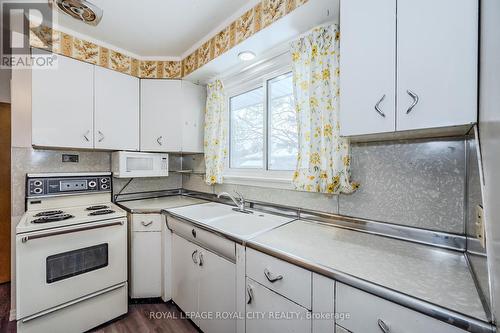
x: 47, y: 185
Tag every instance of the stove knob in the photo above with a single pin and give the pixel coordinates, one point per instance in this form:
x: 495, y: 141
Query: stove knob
x: 37, y: 190
x: 37, y: 183
x: 104, y: 186
x: 104, y: 180
x: 92, y: 184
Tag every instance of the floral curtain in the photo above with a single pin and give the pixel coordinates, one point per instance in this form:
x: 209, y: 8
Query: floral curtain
x: 215, y: 133
x: 323, y: 157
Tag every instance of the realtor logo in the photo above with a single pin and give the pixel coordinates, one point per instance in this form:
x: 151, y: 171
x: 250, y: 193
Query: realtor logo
x: 18, y: 17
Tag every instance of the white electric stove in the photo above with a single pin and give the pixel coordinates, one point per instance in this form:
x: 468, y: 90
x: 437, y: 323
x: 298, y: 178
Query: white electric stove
x: 71, y: 254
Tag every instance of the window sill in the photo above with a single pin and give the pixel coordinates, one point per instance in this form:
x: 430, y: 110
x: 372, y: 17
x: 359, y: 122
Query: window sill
x: 284, y: 183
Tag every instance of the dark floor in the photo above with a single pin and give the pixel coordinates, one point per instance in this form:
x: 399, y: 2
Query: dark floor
x: 5, y: 325
x: 168, y: 318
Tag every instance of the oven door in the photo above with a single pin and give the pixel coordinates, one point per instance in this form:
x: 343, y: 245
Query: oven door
x: 59, y: 265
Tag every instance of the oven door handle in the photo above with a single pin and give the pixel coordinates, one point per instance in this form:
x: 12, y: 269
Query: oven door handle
x: 25, y: 239
x: 73, y: 302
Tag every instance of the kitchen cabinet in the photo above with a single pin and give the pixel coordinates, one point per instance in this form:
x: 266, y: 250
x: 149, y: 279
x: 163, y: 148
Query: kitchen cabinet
x: 161, y: 115
x: 437, y: 61
x: 203, y: 282
x: 410, y: 69
x: 145, y: 256
x: 217, y: 278
x: 262, y: 301
x: 185, y: 275
x: 367, y: 66
x: 193, y: 117
x: 172, y: 116
x: 62, y: 105
x: 116, y: 110
x: 369, y: 313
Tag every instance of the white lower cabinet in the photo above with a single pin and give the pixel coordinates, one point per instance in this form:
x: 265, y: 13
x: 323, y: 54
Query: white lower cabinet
x: 369, y: 313
x: 203, y: 286
x: 145, y: 256
x: 269, y: 312
x: 217, y: 293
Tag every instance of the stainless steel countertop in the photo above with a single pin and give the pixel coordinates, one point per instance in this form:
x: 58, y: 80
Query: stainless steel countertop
x: 435, y: 276
x: 155, y: 205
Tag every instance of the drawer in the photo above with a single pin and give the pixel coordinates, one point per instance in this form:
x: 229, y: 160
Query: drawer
x: 264, y: 305
x: 146, y: 222
x: 207, y: 239
x: 284, y: 278
x: 366, y: 310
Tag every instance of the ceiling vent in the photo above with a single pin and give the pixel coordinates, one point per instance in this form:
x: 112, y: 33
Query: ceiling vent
x: 81, y: 10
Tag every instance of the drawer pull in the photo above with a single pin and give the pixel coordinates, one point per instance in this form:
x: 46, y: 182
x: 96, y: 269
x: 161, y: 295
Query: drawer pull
x: 146, y: 224
x: 195, y: 259
x: 193, y: 232
x: 201, y: 258
x: 377, y: 107
x: 270, y: 276
x: 250, y: 294
x: 383, y: 326
x: 415, y: 100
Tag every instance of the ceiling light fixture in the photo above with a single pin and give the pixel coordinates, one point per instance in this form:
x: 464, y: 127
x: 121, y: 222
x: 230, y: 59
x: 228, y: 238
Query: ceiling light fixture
x: 246, y: 55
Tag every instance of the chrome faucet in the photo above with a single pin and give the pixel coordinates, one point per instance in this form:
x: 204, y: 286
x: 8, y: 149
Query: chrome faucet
x: 240, y: 202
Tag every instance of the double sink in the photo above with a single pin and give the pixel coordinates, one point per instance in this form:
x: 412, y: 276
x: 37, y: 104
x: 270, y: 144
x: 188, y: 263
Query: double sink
x: 230, y: 221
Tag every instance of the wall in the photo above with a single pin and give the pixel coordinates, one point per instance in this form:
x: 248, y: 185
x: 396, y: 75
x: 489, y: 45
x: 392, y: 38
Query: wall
x: 489, y: 132
x: 419, y: 183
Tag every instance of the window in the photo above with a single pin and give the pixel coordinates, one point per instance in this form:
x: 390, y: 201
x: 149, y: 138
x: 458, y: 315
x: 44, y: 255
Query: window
x: 263, y: 126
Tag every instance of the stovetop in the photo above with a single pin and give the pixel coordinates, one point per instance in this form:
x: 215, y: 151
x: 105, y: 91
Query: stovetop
x: 55, y: 218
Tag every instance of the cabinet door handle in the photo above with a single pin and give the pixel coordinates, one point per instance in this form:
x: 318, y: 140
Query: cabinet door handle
x: 415, y: 100
x: 86, y: 136
x: 193, y: 232
x: 271, y: 277
x: 383, y: 326
x: 250, y: 294
x: 101, y: 136
x: 146, y: 224
x: 160, y: 140
x: 202, y: 261
x: 377, y: 107
x: 195, y: 257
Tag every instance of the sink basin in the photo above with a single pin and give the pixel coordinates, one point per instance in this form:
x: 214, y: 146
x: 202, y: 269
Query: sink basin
x: 204, y: 212
x: 224, y: 219
x: 246, y: 225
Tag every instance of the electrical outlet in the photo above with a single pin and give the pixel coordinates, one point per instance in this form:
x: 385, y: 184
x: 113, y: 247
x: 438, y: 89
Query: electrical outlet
x: 480, y: 234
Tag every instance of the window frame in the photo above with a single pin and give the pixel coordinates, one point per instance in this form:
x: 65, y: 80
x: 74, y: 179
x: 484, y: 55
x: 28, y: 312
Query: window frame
x: 256, y: 177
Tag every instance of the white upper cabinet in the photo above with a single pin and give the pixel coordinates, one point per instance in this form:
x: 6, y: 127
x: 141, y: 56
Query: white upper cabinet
x: 368, y: 70
x: 437, y: 63
x: 422, y: 58
x: 116, y: 110
x: 62, y: 105
x: 161, y: 115
x: 193, y: 115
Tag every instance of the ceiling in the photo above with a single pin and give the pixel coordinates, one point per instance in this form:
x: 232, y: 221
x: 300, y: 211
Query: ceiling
x: 157, y: 28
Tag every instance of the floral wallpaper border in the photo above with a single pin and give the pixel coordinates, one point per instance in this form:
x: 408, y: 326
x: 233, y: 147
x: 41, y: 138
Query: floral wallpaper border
x: 257, y: 18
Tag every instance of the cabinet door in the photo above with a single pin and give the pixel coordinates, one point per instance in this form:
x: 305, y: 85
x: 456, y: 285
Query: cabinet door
x: 116, y: 110
x: 217, y: 293
x: 185, y: 275
x: 193, y: 113
x: 437, y: 62
x: 63, y: 104
x: 161, y: 115
x: 145, y: 264
x: 367, y: 66
x: 262, y: 301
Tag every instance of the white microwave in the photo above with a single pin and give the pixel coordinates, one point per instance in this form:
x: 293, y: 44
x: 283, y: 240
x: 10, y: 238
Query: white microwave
x: 127, y: 164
